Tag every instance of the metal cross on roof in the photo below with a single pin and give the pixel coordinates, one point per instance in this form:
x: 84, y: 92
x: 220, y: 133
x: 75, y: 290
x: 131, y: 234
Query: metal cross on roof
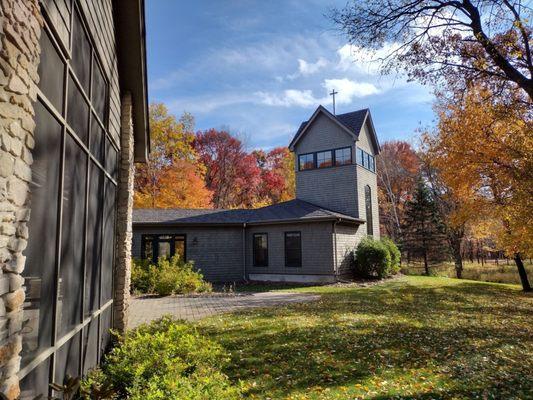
x: 333, y: 93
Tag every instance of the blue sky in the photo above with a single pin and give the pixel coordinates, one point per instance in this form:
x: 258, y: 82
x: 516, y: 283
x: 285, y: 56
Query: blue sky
x: 259, y: 68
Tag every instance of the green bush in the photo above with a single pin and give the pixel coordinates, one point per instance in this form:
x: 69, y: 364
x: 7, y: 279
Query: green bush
x: 169, y: 276
x: 166, y: 360
x: 372, y: 258
x: 377, y: 258
x: 395, y: 255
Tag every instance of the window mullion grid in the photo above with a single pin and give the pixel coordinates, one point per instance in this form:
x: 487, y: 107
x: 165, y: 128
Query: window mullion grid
x: 53, y: 358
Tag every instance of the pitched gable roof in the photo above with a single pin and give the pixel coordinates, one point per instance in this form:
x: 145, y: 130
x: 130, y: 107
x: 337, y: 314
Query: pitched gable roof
x: 289, y: 211
x: 351, y: 122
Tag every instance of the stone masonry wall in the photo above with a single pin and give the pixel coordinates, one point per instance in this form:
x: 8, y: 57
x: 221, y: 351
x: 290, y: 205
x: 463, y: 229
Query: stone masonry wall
x: 124, y: 213
x: 20, y: 30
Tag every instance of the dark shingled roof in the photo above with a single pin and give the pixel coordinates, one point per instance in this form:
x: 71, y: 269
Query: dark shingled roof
x: 352, y: 120
x: 290, y: 211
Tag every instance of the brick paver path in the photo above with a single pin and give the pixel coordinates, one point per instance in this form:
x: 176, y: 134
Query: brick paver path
x: 146, y: 309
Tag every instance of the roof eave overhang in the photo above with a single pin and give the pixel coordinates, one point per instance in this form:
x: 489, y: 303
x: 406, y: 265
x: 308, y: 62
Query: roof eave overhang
x: 131, y: 50
x: 195, y: 224
x: 319, y: 110
x: 354, y: 221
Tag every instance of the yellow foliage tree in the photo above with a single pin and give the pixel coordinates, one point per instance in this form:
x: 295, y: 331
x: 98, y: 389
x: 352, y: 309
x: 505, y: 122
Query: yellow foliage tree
x: 172, y: 177
x: 484, y: 150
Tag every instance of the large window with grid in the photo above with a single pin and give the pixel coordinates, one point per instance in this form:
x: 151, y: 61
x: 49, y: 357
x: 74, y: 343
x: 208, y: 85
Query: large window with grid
x: 70, y: 254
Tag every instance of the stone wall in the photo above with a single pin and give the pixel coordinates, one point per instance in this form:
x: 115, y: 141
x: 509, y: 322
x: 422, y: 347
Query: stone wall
x: 20, y: 30
x: 124, y: 217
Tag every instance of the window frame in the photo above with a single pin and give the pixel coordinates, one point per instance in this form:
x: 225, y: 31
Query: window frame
x: 336, y: 164
x: 365, y: 160
x: 300, y: 264
x: 155, y: 238
x: 62, y: 50
x: 254, y: 250
x: 300, y: 163
x: 331, y: 159
x: 369, y: 215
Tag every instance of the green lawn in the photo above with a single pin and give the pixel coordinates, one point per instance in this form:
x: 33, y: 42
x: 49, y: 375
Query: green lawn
x: 413, y: 338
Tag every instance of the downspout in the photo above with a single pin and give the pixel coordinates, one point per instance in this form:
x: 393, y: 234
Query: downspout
x: 335, y: 250
x: 244, y: 252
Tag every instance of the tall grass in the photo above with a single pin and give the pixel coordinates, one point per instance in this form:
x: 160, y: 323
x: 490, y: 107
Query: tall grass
x: 489, y: 272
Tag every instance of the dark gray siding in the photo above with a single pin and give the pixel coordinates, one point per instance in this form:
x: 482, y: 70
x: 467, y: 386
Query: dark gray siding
x: 347, y: 238
x: 218, y: 251
x: 333, y: 188
x: 317, y: 249
x: 366, y: 177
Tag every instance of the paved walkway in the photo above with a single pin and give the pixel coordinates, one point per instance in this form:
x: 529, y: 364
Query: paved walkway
x: 146, y: 309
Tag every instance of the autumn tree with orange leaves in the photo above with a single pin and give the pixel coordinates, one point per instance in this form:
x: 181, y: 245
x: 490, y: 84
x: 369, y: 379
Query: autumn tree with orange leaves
x: 172, y: 176
x: 483, y: 148
x: 398, y: 171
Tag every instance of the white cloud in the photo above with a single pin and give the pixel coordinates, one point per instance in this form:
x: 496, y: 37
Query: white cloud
x: 348, y: 91
x: 358, y: 59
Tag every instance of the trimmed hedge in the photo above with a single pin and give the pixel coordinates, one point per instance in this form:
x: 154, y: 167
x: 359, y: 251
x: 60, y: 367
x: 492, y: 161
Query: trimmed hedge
x: 164, y: 360
x: 169, y: 276
x: 377, y: 258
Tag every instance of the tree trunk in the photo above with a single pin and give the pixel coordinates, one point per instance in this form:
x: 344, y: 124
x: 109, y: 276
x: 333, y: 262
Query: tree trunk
x: 455, y: 238
x: 522, y: 272
x: 426, y: 266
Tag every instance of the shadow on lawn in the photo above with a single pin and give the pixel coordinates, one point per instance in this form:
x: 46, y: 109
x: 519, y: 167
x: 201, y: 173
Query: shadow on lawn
x: 471, y: 336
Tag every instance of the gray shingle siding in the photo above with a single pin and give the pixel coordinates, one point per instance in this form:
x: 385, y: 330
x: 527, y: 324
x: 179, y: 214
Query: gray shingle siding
x: 317, y: 249
x: 347, y: 238
x: 218, y: 252
x: 366, y: 177
x: 334, y: 188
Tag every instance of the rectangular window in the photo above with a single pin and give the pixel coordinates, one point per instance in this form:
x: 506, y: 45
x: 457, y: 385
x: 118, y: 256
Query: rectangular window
x: 372, y: 164
x: 260, y: 250
x: 324, y: 159
x: 343, y: 156
x: 306, y: 161
x: 360, y: 156
x: 293, y: 249
x: 165, y: 245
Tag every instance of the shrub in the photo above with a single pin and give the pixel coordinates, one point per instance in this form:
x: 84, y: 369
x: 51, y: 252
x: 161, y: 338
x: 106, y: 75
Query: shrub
x: 169, y: 276
x: 395, y: 255
x: 372, y: 258
x: 166, y: 360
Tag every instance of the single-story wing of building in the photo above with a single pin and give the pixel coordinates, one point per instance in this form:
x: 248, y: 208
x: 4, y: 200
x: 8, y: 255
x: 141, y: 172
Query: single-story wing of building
x: 308, y: 239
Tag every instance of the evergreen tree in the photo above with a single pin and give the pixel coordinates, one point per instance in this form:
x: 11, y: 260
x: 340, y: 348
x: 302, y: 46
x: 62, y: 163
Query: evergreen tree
x: 423, y: 232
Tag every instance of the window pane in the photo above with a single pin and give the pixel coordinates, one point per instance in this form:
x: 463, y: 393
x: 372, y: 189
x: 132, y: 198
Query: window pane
x: 307, y: 161
x: 36, y: 382
x: 368, y: 209
x: 81, y: 53
x: 72, y: 237
x: 41, y: 252
x: 105, y: 326
x: 179, y: 246
x: 148, y: 247
x: 108, y: 246
x: 372, y: 164
x: 293, y: 254
x: 94, y: 239
x: 78, y: 111
x: 97, y: 141
x: 52, y: 68
x: 360, y: 156
x: 110, y: 158
x: 260, y: 250
x: 323, y: 159
x: 89, y: 357
x: 68, y: 360
x: 343, y: 156
x: 163, y: 249
x: 99, y: 94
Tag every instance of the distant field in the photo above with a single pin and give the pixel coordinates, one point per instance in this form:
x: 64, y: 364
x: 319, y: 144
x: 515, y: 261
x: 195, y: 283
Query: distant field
x: 489, y: 272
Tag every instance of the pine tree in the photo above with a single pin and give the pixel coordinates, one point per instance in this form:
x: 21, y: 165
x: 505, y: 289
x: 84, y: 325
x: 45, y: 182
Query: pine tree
x: 422, y: 231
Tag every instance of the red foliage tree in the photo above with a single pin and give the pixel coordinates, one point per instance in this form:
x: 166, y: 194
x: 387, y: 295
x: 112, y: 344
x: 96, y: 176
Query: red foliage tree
x: 231, y: 173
